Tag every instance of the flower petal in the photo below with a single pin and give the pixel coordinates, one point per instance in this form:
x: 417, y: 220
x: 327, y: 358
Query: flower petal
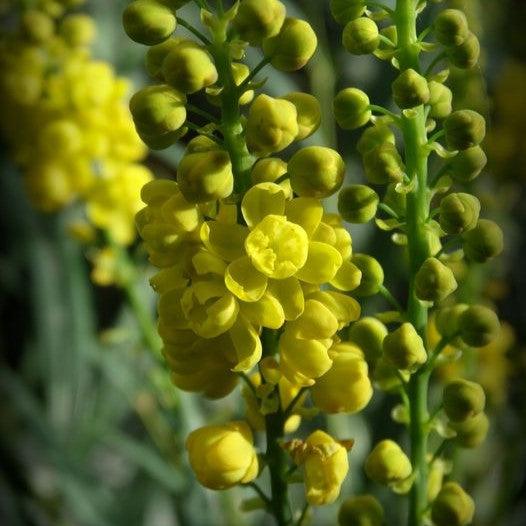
x: 244, y: 281
x: 323, y: 261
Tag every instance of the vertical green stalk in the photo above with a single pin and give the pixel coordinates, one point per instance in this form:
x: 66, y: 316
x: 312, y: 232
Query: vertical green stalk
x: 415, y: 138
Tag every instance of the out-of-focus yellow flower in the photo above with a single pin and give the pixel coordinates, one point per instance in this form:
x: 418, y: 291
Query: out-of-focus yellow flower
x: 104, y: 270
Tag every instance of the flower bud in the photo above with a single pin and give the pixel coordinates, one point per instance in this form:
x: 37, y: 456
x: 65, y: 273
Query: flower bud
x: 162, y: 141
x: 440, y: 100
x: 383, y: 164
x: 259, y: 19
x: 158, y: 109
x: 387, y: 463
x: 451, y: 27
x: 361, y: 36
x: 205, y: 176
x: 189, y: 68
x: 466, y: 55
x: 410, y: 89
x: 292, y: 47
x: 471, y: 432
x: 372, y: 275
x: 459, y: 212
x: 316, y: 171
x: 78, y: 30
x: 387, y: 377
x: 351, y: 108
x: 483, y: 242
x: 271, y: 125
x: 373, y: 137
x: 468, y: 164
x: 343, y: 11
x: 148, y: 22
x: 361, y: 510
x: 309, y: 113
x: 452, y: 507
x: 156, y: 54
x: 434, y: 281
x: 357, y: 203
x: 368, y: 334
x: 37, y: 25
x: 464, y: 129
x: 447, y: 319
x: 270, y: 169
x: 404, y: 348
x: 463, y: 399
x: 395, y: 200
x: 478, y: 326
x: 223, y: 456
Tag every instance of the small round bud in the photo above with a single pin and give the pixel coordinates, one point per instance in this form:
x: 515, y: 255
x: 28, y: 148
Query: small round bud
x: 478, y: 326
x: 361, y: 36
x: 351, y: 109
x: 383, y: 165
x: 452, y: 507
x: 463, y: 399
x: 459, y: 212
x: 468, y: 164
x: 464, y: 129
x: 162, y: 141
x: 78, y: 30
x: 369, y: 333
x: 156, y: 54
x: 292, y: 47
x: 37, y: 25
x: 483, y: 242
x: 357, y: 203
x: 410, y: 89
x: 362, y: 510
x: 466, y: 55
x: 434, y: 281
x: 440, y: 100
x: 387, y: 463
x: 271, y: 125
x: 158, y: 109
x: 373, y: 137
x: 189, y: 68
x: 447, y: 319
x: 404, y: 348
x: 471, y: 432
x: 148, y: 22
x: 205, y: 176
x: 343, y: 11
x: 259, y: 19
x: 372, y: 275
x: 200, y: 144
x: 270, y: 169
x: 309, y: 113
x: 451, y: 27
x: 316, y: 171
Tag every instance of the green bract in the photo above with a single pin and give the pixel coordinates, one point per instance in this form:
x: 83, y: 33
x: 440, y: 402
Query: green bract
x: 465, y: 55
x: 383, y: 164
x: 351, y: 108
x: 259, y: 19
x: 478, y: 326
x: 483, y: 242
x: 463, y: 399
x: 361, y: 36
x: 369, y: 333
x: 451, y: 27
x: 459, y: 212
x: 434, y: 281
x: 452, y: 507
x: 464, y: 129
x: 148, y: 22
x: 361, y: 510
x: 440, y: 100
x: 357, y: 203
x: 404, y: 348
x: 344, y: 11
x: 308, y: 113
x: 372, y: 275
x: 472, y: 431
x: 468, y: 164
x: 410, y: 89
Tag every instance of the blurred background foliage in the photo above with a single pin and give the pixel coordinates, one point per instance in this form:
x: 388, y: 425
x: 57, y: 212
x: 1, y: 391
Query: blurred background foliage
x: 92, y: 433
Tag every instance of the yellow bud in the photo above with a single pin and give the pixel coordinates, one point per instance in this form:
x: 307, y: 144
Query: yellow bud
x: 362, y: 510
x: 468, y: 164
x: 410, y: 89
x: 464, y: 129
x: 268, y: 170
x: 357, y: 203
x: 434, y: 281
x: 472, y: 431
x: 373, y: 137
x: 452, y: 507
x: 440, y: 100
x: 156, y: 54
x: 78, y: 30
x: 148, y: 22
x: 478, y: 326
x: 368, y: 334
x: 465, y: 55
x: 259, y: 19
x: 404, y: 348
x: 451, y: 27
x: 463, y: 399
x: 383, y: 164
x: 459, y: 212
x: 361, y: 36
x: 308, y: 113
x: 351, y: 108
x: 447, y: 319
x: 387, y: 463
x: 37, y: 25
x: 223, y: 456
x: 343, y: 11
x: 483, y: 242
x: 372, y: 275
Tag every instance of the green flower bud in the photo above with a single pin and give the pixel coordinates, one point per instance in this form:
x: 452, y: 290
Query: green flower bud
x: 466, y: 55
x: 369, y: 333
x: 463, y: 399
x: 459, y: 212
x: 468, y: 164
x: 200, y: 144
x: 483, y: 242
x: 156, y: 54
x: 372, y: 275
x: 205, y: 176
x: 451, y: 27
x: 343, y: 11
x: 471, y: 432
x: 478, y: 326
x: 189, y: 68
x: 271, y: 126
x: 440, y: 100
x: 387, y: 377
x: 148, y: 22
x: 174, y: 4
x: 268, y: 170
x: 357, y: 203
x: 404, y: 348
x: 452, y: 507
x: 362, y: 510
x: 383, y: 164
x: 78, y: 30
x: 395, y: 200
x: 37, y: 25
x: 447, y: 319
x: 410, y: 89
x: 309, y: 113
x: 351, y: 108
x: 259, y: 19
x: 316, y: 171
x: 464, y: 129
x: 373, y: 137
x: 157, y: 110
x: 162, y: 141
x: 387, y: 463
x: 292, y: 47
x: 434, y: 281
x: 361, y: 36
